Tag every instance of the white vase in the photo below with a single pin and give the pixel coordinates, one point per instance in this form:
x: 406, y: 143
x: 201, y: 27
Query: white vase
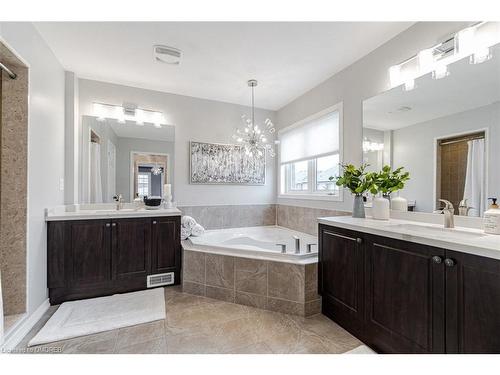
x: 399, y: 204
x: 380, y: 208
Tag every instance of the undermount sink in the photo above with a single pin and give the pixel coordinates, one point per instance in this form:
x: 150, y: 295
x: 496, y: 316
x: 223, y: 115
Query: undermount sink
x: 449, y: 232
x: 115, y: 210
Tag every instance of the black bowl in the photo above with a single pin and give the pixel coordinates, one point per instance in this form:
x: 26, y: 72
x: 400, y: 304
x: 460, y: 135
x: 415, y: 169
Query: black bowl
x: 152, y: 202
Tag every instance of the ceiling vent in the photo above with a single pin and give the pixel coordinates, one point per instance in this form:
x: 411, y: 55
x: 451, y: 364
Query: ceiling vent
x: 167, y: 55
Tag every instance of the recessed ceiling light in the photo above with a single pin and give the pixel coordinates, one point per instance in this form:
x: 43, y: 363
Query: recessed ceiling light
x: 167, y: 55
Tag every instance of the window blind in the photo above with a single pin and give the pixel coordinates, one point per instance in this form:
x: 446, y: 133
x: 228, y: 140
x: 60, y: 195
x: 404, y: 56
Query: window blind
x: 311, y: 139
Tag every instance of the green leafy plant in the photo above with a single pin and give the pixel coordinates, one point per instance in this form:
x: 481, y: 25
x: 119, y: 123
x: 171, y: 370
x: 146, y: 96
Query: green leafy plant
x: 354, y: 179
x: 388, y: 181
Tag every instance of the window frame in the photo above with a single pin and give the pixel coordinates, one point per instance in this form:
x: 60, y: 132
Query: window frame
x: 284, y: 173
x: 148, y: 175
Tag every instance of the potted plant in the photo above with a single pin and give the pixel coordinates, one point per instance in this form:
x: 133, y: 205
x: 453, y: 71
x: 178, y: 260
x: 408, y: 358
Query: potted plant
x: 358, y: 182
x: 386, y: 182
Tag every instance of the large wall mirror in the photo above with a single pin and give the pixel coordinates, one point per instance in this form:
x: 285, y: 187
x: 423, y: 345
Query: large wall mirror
x: 127, y: 158
x: 445, y: 132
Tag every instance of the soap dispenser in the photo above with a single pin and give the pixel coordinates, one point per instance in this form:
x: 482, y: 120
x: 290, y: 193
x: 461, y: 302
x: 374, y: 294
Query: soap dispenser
x: 491, y: 220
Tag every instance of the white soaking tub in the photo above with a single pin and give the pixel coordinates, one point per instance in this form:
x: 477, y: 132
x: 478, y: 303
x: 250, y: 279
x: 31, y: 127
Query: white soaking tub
x: 262, y: 242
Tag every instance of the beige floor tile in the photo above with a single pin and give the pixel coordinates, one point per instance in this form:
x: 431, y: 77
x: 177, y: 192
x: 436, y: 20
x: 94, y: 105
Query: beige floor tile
x: 140, y: 333
x: 200, y: 325
x: 155, y: 346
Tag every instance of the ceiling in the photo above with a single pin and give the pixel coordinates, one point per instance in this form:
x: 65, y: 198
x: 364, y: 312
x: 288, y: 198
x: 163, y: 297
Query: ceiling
x: 287, y: 59
x: 468, y: 86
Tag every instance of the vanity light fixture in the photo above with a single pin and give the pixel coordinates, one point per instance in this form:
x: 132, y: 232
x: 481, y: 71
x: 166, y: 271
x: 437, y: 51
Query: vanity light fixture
x: 369, y: 146
x: 252, y: 137
x: 128, y: 112
x: 474, y: 42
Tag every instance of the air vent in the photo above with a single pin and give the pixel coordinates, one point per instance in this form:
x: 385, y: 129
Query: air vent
x: 167, y: 55
x: 160, y: 279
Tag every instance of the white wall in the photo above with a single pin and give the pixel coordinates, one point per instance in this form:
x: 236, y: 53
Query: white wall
x: 123, y: 164
x: 413, y: 148
x: 366, y: 78
x: 194, y: 120
x: 45, y: 146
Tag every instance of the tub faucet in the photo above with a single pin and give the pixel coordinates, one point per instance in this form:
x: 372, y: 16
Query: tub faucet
x: 119, y: 201
x: 297, y: 244
x: 449, y: 213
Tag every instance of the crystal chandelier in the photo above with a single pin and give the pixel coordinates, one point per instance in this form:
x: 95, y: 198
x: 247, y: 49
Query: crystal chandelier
x: 252, y: 137
x: 156, y: 170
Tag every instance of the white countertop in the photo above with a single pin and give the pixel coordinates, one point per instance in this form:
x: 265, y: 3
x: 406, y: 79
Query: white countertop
x: 105, y: 211
x: 465, y: 240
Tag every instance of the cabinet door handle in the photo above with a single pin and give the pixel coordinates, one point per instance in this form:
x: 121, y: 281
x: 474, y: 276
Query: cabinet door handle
x: 108, y: 225
x: 437, y: 259
x: 114, y: 224
x: 359, y: 240
x: 449, y: 262
x: 154, y: 221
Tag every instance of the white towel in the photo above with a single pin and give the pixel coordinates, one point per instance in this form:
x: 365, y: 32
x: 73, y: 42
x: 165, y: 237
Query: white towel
x: 185, y: 233
x: 197, y: 230
x: 188, y: 222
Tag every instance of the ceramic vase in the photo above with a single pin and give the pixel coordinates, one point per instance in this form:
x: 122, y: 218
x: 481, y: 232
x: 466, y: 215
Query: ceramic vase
x: 381, y: 208
x: 358, y: 209
x: 399, y: 204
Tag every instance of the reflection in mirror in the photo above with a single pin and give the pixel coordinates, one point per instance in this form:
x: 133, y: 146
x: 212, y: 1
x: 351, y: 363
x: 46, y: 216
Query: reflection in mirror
x: 124, y: 158
x: 445, y: 132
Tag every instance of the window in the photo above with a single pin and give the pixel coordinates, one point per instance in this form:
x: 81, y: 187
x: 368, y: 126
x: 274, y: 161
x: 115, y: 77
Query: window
x: 144, y: 184
x: 310, y: 153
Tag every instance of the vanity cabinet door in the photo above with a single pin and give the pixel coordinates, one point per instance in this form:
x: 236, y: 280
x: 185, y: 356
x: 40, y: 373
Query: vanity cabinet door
x: 166, y: 249
x: 472, y: 304
x: 340, y: 274
x: 404, y: 297
x: 88, y: 243
x: 131, y: 248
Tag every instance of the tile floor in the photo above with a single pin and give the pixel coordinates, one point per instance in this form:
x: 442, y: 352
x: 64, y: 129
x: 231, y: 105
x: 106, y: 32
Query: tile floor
x: 202, y: 325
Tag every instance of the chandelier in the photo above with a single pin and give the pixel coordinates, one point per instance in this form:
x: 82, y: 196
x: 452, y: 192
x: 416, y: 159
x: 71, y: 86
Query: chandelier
x: 254, y: 138
x: 156, y: 170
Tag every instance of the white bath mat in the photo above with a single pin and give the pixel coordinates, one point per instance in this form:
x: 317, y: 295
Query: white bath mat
x: 85, y: 317
x: 362, y: 349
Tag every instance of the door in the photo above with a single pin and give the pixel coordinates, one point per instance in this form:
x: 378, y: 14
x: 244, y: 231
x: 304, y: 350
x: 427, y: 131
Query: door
x: 472, y: 304
x: 340, y: 275
x: 404, y: 297
x: 166, y: 245
x: 131, y: 244
x: 89, y: 242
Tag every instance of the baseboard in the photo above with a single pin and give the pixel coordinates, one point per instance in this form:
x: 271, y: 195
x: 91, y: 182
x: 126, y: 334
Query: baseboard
x: 23, y: 328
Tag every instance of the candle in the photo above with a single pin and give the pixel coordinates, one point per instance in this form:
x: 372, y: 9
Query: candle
x: 167, y: 190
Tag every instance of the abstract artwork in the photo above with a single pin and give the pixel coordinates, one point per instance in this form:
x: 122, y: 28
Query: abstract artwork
x: 213, y: 163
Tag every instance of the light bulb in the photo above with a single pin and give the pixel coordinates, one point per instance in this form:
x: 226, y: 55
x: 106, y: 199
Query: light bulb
x: 409, y: 85
x: 480, y: 55
x: 440, y: 71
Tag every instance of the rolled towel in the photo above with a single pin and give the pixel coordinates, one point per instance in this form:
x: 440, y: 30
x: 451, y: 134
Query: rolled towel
x: 185, y: 233
x: 197, y: 230
x: 188, y: 222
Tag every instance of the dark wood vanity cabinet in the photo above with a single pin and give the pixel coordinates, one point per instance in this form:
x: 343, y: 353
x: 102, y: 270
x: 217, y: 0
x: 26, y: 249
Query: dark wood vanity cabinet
x: 91, y: 258
x: 409, y: 298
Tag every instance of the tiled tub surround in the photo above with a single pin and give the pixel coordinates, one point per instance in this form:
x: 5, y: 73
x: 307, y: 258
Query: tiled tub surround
x: 13, y: 180
x: 271, y: 285
x: 303, y: 219
x: 232, y: 216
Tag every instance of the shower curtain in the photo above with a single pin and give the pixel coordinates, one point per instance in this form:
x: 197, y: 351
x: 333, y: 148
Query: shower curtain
x: 95, y: 173
x: 474, y: 177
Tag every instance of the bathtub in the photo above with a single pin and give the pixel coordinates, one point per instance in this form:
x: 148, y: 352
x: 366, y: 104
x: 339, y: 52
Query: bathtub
x: 256, y: 242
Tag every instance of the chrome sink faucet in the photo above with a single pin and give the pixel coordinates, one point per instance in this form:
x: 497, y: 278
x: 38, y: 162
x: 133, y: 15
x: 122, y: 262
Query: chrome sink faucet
x: 119, y: 201
x: 449, y: 213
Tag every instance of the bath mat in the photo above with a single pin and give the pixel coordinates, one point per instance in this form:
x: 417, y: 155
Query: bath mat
x: 362, y: 349
x: 85, y: 317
